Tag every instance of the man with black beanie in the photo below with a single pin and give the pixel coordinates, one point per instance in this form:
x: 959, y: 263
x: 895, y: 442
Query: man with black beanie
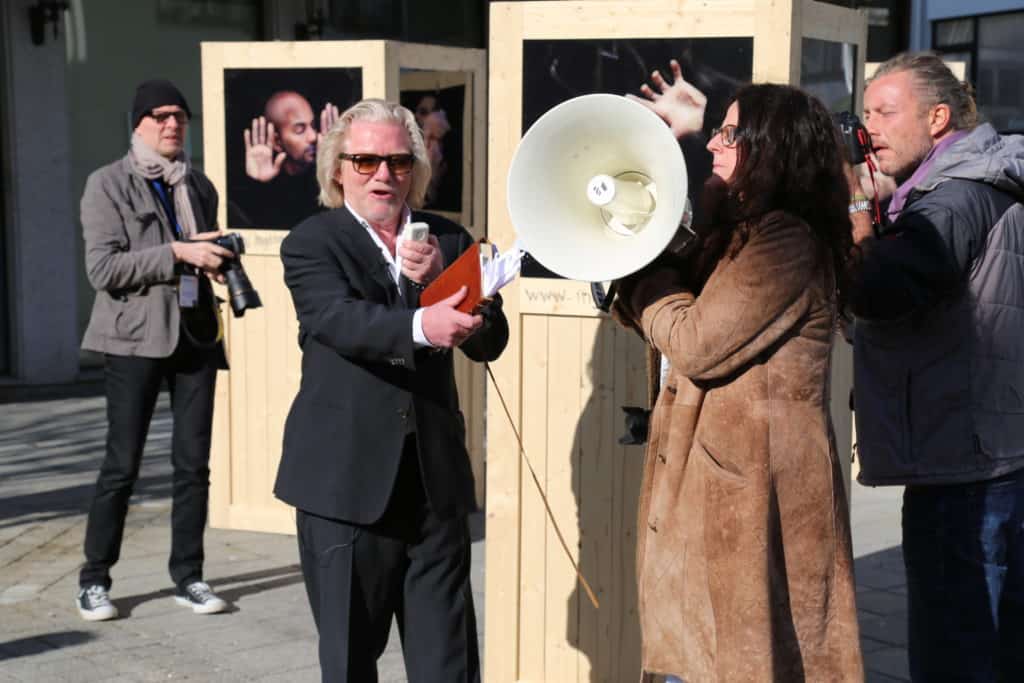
x: 155, y: 319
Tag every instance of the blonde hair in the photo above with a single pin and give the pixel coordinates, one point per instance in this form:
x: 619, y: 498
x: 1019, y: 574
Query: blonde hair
x: 328, y: 152
x: 935, y: 84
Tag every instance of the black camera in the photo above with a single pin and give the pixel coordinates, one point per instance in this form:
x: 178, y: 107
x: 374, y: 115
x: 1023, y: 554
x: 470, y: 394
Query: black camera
x: 243, y: 295
x: 854, y: 135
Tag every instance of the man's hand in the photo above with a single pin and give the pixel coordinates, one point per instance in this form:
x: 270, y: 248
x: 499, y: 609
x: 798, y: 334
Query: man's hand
x: 260, y: 162
x: 446, y: 327
x: 421, y: 261
x: 862, y: 221
x: 680, y: 104
x: 328, y: 117
x: 884, y: 184
x: 204, y: 255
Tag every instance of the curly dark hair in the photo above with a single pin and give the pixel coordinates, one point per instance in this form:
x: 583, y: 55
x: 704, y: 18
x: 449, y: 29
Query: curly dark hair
x: 790, y: 158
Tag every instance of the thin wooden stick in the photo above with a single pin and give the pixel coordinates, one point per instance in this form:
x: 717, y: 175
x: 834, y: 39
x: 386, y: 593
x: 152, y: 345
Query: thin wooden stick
x: 540, y: 490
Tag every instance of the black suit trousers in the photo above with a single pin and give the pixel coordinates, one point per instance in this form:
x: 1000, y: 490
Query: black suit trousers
x: 409, y: 565
x: 132, y: 387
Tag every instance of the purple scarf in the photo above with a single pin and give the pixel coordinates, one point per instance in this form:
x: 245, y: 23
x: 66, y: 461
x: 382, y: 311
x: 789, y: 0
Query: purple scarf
x: 899, y: 197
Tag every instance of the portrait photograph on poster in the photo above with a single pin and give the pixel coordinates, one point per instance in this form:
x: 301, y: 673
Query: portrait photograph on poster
x: 558, y: 70
x: 273, y: 120
x: 439, y: 112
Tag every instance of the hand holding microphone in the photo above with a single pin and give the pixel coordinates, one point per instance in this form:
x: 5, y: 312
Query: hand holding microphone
x: 421, y: 254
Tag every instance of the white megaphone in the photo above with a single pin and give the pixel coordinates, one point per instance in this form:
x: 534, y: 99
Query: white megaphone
x: 597, y: 188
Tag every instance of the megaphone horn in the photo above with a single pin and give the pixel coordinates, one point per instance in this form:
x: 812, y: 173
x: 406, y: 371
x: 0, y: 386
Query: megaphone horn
x: 597, y: 188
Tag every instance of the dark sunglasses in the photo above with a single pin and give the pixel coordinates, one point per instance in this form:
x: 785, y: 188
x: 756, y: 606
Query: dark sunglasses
x: 367, y: 164
x: 179, y: 116
x: 730, y: 134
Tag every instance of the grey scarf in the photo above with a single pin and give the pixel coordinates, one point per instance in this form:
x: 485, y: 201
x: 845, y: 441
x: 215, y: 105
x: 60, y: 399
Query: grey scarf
x: 147, y: 163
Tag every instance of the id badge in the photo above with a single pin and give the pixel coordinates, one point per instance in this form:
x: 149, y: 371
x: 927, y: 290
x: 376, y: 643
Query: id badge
x: 188, y: 291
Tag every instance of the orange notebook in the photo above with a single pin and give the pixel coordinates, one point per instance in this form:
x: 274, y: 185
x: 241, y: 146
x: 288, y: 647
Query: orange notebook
x: 468, y: 271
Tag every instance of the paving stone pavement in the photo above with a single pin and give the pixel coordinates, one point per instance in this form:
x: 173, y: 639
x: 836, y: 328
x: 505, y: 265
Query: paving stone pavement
x: 50, y: 452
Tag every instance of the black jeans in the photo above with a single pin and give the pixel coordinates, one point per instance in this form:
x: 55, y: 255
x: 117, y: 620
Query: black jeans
x: 963, y: 546
x: 132, y: 386
x: 409, y: 565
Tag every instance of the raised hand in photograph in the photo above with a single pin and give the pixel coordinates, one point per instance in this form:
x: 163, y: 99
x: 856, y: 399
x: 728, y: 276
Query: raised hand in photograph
x: 327, y: 118
x: 261, y: 163
x: 679, y: 103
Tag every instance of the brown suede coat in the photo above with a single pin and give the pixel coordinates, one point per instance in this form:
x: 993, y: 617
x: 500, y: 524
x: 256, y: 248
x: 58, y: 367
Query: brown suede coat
x: 744, y: 558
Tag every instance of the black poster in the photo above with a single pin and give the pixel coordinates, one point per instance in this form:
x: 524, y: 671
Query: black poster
x: 439, y: 114
x: 273, y: 121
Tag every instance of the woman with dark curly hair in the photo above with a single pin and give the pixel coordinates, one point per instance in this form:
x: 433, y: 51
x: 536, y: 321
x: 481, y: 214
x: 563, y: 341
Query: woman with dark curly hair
x: 744, y: 558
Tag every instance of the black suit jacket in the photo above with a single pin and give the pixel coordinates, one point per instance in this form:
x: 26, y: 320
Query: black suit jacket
x: 364, y: 385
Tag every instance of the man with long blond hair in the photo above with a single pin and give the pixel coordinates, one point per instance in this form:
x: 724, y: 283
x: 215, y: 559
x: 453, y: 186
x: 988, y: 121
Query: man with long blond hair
x: 374, y: 454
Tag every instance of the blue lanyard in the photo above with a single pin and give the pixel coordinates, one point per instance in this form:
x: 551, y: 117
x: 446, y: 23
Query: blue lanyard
x: 168, y: 207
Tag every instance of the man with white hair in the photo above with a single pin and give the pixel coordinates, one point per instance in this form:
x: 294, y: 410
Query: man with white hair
x: 374, y: 455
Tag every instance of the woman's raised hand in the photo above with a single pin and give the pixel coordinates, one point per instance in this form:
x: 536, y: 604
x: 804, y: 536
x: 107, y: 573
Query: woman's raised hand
x: 679, y: 103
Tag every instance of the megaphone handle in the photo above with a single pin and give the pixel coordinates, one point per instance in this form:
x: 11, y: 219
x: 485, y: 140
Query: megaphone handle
x: 603, y: 300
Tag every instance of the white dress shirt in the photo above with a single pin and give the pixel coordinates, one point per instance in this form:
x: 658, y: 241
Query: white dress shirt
x: 395, y: 268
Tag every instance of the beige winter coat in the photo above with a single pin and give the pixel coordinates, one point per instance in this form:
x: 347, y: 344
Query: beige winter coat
x: 744, y: 559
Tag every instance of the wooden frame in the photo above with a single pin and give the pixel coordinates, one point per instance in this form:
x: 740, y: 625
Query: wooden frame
x: 252, y: 400
x: 566, y: 370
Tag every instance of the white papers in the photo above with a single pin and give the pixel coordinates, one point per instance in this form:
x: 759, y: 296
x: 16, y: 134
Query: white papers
x: 501, y: 270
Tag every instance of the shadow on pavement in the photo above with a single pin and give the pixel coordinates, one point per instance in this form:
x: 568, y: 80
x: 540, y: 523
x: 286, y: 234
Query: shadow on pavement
x: 74, y: 500
x: 252, y: 582
x: 34, y: 645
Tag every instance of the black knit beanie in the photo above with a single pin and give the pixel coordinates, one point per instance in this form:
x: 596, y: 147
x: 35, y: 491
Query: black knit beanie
x: 153, y: 94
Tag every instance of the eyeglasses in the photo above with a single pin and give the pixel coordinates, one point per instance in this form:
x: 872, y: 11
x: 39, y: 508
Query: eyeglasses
x: 367, y: 164
x: 730, y: 134
x: 179, y: 116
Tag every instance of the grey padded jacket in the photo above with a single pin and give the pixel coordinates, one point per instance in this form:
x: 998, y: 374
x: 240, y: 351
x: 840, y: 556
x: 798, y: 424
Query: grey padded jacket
x: 939, y: 335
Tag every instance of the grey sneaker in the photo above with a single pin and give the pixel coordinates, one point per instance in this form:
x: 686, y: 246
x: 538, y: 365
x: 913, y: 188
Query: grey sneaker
x: 94, y: 604
x: 200, y: 598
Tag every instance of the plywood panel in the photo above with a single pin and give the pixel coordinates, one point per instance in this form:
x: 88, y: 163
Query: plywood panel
x: 594, y: 490
x: 574, y: 383
x: 622, y: 619
x: 533, y: 560
x: 833, y: 23
x: 254, y: 402
x: 567, y: 365
x: 505, y: 478
x: 638, y: 19
x: 282, y: 367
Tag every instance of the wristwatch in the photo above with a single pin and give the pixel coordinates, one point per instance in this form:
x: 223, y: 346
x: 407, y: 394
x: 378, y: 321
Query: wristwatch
x: 860, y: 204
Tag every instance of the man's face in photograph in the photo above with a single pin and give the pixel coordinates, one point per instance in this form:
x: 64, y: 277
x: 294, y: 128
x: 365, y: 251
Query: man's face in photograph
x: 292, y: 117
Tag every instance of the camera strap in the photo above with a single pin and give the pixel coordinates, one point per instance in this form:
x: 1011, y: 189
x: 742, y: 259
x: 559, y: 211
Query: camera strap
x: 876, y: 207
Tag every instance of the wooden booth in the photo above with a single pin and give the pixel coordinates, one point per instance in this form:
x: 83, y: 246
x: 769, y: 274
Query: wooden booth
x: 568, y: 370
x: 243, y: 81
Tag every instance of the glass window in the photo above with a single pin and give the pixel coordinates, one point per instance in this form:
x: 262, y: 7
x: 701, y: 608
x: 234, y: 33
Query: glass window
x: 1001, y: 70
x: 954, y: 32
x: 993, y: 52
x: 827, y: 70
